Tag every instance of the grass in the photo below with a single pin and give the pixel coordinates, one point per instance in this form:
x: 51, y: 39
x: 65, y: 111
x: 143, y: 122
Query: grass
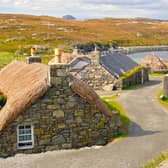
x: 114, y: 105
x: 131, y: 72
x: 7, y: 57
x: 163, y: 101
x: 27, y: 30
x: 157, y: 161
x: 157, y: 74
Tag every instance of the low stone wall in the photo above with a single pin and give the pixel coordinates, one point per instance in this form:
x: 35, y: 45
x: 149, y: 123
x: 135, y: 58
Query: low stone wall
x: 134, y: 79
x: 136, y: 49
x: 61, y: 120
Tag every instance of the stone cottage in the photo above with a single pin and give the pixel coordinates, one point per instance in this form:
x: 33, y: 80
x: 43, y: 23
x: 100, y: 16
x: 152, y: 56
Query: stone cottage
x: 88, y: 69
x: 48, y: 109
x: 102, y: 70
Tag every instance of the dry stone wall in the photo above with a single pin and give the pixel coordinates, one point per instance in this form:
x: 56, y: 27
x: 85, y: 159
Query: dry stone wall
x: 137, y: 78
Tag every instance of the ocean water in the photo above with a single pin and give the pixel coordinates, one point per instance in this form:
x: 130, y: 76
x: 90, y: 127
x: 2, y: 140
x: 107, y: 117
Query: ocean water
x: 139, y: 56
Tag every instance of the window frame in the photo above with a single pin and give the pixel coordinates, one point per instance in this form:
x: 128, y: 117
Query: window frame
x: 32, y: 137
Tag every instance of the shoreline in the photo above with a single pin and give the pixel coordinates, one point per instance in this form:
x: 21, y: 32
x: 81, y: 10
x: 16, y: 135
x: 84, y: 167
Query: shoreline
x: 137, y: 49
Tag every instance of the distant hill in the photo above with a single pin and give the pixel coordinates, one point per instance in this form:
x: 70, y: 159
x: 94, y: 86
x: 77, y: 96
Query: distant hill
x: 19, y: 32
x: 69, y: 17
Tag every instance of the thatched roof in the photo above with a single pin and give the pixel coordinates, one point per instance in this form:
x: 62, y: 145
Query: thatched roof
x: 85, y: 91
x: 154, y: 62
x: 24, y: 83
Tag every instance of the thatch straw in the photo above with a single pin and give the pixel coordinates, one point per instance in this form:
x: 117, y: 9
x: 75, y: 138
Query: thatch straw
x: 23, y: 84
x: 85, y: 91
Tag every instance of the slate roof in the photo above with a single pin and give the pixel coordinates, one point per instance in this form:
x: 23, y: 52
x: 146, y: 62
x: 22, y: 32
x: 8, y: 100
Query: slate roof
x: 117, y: 63
x: 79, y: 63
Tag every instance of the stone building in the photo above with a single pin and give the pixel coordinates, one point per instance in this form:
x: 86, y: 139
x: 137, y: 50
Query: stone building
x: 48, y: 109
x: 102, y: 70
x: 92, y: 73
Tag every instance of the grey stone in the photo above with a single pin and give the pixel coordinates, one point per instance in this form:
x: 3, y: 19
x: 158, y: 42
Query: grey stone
x: 59, y: 139
x: 58, y: 114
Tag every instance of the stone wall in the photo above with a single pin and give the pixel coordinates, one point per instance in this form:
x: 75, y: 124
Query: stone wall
x: 134, y: 79
x: 96, y: 76
x: 61, y: 120
x: 136, y: 49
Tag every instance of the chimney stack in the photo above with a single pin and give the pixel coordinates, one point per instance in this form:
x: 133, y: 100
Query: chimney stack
x: 33, y: 52
x: 33, y: 58
x: 95, y: 56
x: 58, y: 55
x: 59, y: 73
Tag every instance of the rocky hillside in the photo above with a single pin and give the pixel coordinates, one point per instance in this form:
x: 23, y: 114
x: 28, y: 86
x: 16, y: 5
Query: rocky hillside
x: 19, y: 32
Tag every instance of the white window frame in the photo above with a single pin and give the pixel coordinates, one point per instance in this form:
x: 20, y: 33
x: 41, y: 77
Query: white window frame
x: 32, y: 137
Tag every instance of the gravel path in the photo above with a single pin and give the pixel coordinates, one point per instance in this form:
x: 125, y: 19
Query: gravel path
x: 148, y: 134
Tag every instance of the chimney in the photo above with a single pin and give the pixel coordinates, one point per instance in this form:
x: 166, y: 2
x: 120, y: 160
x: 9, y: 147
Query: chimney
x: 95, y: 56
x: 33, y: 58
x: 58, y: 71
x: 33, y: 52
x: 58, y: 55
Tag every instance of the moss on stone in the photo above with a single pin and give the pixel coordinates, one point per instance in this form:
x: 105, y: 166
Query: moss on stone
x: 131, y: 72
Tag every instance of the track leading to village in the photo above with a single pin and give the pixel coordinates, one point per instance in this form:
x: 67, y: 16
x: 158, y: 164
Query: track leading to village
x: 148, y: 136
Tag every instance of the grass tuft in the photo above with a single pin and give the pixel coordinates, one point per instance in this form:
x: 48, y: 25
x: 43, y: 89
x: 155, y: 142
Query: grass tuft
x: 157, y: 74
x: 131, y: 72
x: 162, y: 100
x: 114, y: 105
x: 157, y: 161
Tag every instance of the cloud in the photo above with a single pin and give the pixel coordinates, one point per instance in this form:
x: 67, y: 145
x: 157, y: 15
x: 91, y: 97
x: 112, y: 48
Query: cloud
x: 21, y: 2
x: 88, y: 8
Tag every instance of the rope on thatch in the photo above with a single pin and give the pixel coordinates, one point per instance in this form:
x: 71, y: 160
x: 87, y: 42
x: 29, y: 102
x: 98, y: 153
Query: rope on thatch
x: 86, y: 92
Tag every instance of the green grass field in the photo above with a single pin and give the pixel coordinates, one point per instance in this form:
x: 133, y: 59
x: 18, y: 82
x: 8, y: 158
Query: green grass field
x: 27, y: 30
x: 7, y: 57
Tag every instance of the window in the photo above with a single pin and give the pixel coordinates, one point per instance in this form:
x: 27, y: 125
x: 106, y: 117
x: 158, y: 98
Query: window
x: 25, y: 137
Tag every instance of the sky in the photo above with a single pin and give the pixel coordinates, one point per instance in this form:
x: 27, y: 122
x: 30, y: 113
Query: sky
x: 87, y: 9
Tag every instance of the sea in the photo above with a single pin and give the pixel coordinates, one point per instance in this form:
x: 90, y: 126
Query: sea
x: 139, y: 56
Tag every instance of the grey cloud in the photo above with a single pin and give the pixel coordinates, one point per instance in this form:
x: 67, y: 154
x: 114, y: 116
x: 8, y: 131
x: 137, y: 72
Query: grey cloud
x: 88, y: 8
x: 150, y: 4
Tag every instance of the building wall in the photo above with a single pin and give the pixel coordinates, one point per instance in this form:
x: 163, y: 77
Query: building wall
x: 61, y: 120
x: 133, y: 80
x: 96, y: 76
